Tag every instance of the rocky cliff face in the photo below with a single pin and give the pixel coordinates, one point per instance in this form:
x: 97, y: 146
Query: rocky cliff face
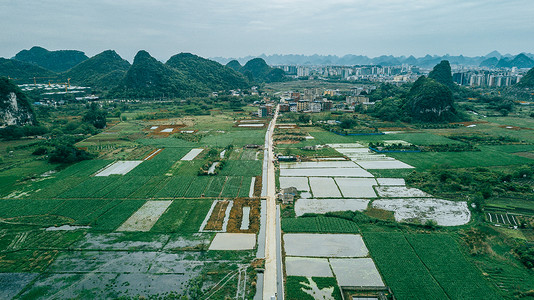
x: 15, y: 108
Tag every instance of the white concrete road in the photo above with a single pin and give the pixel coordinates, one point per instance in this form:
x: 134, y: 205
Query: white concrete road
x: 270, y: 279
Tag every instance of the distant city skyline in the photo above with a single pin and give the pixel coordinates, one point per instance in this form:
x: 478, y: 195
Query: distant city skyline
x: 238, y: 28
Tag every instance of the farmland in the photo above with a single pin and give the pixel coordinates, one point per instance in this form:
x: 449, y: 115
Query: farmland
x: 438, y: 225
x: 141, y: 195
x: 432, y: 267
x: 144, y: 218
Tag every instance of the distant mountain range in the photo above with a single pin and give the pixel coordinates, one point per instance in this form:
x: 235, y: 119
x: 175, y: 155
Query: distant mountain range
x: 490, y: 60
x: 183, y: 75
x: 186, y: 74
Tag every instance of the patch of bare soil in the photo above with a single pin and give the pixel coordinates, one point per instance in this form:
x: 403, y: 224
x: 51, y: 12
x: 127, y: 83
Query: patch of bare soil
x: 257, y: 187
x: 525, y: 154
x: 152, y: 154
x: 515, y: 127
x: 216, y: 220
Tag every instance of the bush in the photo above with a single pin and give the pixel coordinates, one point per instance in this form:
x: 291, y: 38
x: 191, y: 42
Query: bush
x: 40, y: 151
x: 67, y: 153
x: 526, y: 255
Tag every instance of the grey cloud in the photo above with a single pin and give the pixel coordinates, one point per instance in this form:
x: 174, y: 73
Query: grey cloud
x: 240, y: 27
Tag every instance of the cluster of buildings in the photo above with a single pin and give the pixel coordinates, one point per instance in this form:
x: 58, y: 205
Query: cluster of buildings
x: 317, y: 100
x: 375, y: 73
x: 487, y: 78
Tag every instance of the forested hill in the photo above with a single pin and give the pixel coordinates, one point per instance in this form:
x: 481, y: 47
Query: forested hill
x: 528, y: 80
x: 57, y: 61
x: 213, y: 74
x: 258, y: 70
x: 149, y: 78
x: 102, y: 71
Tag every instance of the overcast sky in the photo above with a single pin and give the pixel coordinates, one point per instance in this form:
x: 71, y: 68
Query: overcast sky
x: 235, y: 28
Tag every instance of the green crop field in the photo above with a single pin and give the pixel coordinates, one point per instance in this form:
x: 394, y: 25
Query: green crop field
x: 242, y: 168
x: 232, y: 186
x: 423, y: 138
x: 88, y: 187
x: 407, y: 277
x: 10, y: 208
x: 512, y: 121
x: 238, y: 138
x: 126, y: 186
x: 214, y: 188
x: 151, y: 187
x: 99, y: 214
x: 319, y: 224
x: 197, y: 187
x: 160, y: 164
x: 248, y: 154
x: 84, y: 211
x: 485, y: 158
x: 440, y: 254
x: 183, y: 216
x: 175, y: 187
x: 432, y: 267
x: 115, y: 216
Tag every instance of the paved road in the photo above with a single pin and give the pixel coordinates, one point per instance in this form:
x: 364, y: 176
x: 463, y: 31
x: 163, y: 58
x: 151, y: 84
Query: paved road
x: 270, y: 277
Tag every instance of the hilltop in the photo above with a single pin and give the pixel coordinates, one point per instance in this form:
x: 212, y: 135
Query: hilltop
x: 57, y: 61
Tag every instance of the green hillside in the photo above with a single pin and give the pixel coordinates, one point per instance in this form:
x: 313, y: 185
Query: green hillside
x: 104, y: 70
x: 22, y: 72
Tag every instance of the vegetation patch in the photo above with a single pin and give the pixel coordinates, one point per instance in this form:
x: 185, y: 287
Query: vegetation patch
x: 236, y: 216
x: 299, y: 287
